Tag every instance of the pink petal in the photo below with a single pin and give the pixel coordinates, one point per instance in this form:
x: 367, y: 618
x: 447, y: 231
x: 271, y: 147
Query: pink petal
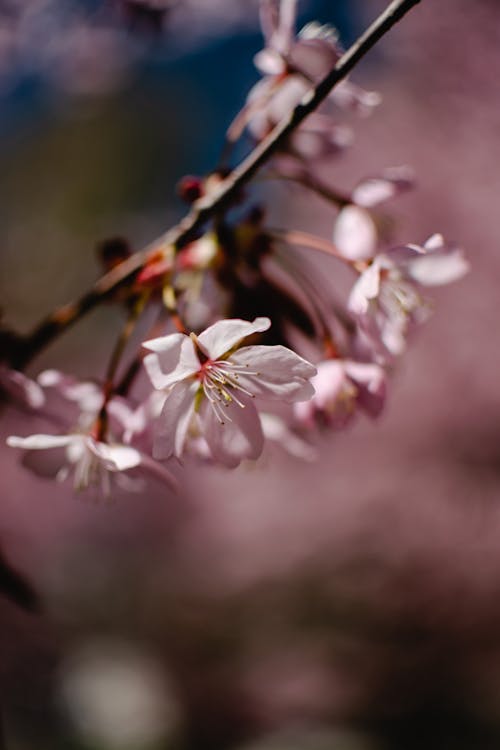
x: 355, y: 234
x: 328, y: 382
x: 222, y: 336
x: 280, y: 372
x: 173, y: 422
x: 173, y: 359
x: 233, y: 440
x: 21, y: 388
x: 312, y: 55
x: 86, y: 395
x: 372, y: 385
x: 284, y: 34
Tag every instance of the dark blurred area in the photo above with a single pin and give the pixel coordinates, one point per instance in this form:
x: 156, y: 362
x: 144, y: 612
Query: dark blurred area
x: 351, y: 604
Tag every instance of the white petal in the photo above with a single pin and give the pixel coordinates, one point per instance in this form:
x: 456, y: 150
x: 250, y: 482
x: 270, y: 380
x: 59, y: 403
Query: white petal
x: 355, y: 234
x: 173, y: 421
x: 173, y: 360
x: 165, y: 345
x: 52, y: 378
x: 269, y: 62
x: 234, y: 440
x: 435, y: 242
x: 115, y: 457
x: 225, y: 334
x: 366, y: 288
x: 434, y: 270
x: 41, y: 442
x: 281, y: 373
x: 375, y: 190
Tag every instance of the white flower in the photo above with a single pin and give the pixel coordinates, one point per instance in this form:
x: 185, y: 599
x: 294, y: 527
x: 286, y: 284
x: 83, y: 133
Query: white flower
x: 386, y: 299
x: 206, y: 377
x: 92, y: 463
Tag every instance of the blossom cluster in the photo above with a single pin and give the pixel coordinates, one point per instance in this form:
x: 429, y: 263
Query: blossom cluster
x: 249, y: 345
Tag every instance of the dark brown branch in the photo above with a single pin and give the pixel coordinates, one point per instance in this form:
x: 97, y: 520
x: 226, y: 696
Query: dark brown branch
x: 219, y: 199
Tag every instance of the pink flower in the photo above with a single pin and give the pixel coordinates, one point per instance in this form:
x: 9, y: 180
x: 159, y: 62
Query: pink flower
x: 92, y: 462
x: 290, y: 65
x: 386, y: 299
x: 355, y: 233
x: 341, y: 387
x: 207, y: 378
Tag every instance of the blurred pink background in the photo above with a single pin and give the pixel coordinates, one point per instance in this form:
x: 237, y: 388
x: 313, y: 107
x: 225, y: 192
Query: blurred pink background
x: 352, y: 603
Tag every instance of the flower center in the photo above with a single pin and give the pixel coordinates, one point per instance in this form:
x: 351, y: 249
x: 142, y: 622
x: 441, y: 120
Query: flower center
x: 220, y: 381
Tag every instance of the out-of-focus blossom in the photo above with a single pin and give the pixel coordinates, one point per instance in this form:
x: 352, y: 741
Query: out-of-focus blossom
x: 355, y: 232
x: 90, y: 461
x: 21, y: 389
x: 375, y: 190
x: 341, y: 388
x: 93, y: 461
x: 116, y: 696
x: 290, y: 65
x: 208, y: 376
x: 386, y: 299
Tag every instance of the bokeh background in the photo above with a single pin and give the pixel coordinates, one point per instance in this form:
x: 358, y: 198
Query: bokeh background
x: 350, y: 604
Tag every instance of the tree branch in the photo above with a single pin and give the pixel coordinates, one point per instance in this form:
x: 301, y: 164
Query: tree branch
x: 206, y: 207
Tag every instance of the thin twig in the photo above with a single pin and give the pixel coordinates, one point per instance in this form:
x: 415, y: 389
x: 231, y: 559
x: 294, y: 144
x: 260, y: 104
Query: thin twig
x: 218, y: 199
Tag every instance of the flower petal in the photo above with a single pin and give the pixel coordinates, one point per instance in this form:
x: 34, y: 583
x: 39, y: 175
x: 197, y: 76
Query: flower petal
x: 233, y: 440
x: 366, y: 288
x: 41, y: 442
x: 173, y: 359
x: 173, y: 422
x: 115, y: 457
x: 225, y: 334
x: 442, y: 268
x: 280, y: 372
x: 375, y: 190
x: 371, y: 382
x: 355, y: 234
x: 21, y: 388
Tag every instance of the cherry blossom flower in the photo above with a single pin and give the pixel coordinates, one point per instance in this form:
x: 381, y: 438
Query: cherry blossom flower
x: 341, y: 388
x: 208, y: 378
x: 290, y: 65
x: 387, y: 299
x: 92, y: 462
x: 355, y: 233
